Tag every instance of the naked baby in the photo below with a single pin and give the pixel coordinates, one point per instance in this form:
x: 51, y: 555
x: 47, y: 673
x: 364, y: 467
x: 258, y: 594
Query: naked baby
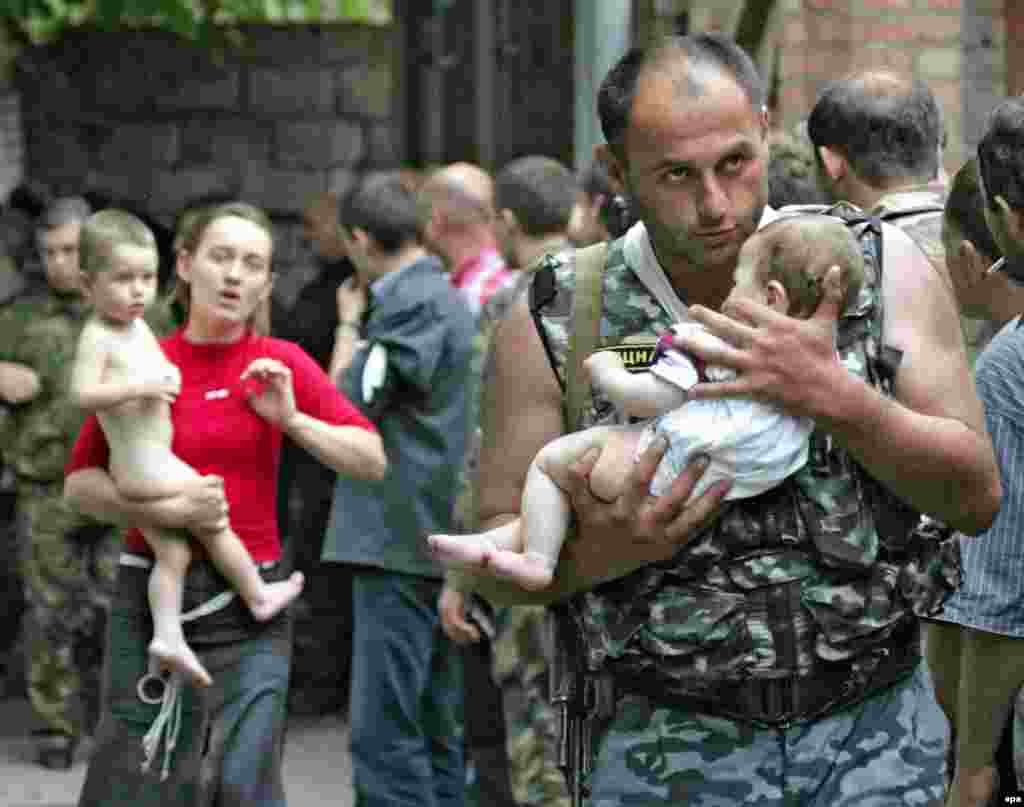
x: 783, y: 266
x: 121, y: 374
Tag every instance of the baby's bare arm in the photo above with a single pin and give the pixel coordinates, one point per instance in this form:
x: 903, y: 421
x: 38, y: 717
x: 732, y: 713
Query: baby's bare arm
x: 641, y: 395
x: 92, y: 387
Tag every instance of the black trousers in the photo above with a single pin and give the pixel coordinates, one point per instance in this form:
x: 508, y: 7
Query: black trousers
x: 12, y: 588
x: 485, y: 727
x: 1004, y: 764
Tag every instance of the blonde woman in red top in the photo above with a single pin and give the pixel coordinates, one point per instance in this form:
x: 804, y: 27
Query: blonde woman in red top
x: 160, y: 741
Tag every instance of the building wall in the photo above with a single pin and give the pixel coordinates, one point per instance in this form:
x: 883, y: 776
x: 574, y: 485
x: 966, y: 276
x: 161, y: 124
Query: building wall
x: 153, y: 122
x: 957, y: 46
x: 824, y: 39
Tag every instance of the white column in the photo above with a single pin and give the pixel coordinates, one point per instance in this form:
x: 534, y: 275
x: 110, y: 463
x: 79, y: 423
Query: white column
x: 603, y: 35
x: 983, y: 72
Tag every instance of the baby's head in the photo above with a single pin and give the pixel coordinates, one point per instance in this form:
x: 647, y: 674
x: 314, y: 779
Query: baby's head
x: 784, y: 264
x: 119, y: 262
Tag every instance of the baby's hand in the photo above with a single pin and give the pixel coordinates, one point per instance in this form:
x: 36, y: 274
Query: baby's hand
x: 165, y: 386
x: 601, y: 363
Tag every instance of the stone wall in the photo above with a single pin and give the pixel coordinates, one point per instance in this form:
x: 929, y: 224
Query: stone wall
x: 12, y: 149
x: 153, y: 122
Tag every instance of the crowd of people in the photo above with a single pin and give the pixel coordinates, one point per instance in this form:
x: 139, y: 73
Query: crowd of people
x: 505, y: 480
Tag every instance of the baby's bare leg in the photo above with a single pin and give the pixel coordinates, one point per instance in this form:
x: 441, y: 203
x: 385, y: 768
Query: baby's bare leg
x: 168, y: 648
x: 547, y: 509
x: 526, y: 550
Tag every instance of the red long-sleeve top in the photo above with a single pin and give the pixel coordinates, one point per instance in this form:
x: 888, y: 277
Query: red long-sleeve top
x: 217, y: 432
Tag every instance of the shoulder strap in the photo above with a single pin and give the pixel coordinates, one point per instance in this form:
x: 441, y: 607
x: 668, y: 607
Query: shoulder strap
x: 899, y: 213
x: 586, y: 324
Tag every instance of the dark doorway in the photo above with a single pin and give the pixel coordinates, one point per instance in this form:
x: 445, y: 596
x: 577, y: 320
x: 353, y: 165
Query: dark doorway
x: 487, y: 80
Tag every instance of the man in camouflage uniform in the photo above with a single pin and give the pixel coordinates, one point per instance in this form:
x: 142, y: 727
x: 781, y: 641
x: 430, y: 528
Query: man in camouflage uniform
x: 765, y: 651
x: 67, y: 564
x: 535, y: 196
x: 878, y: 138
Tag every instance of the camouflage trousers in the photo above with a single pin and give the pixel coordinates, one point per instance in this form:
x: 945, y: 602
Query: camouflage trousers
x: 521, y: 649
x: 69, y: 568
x: 888, y: 750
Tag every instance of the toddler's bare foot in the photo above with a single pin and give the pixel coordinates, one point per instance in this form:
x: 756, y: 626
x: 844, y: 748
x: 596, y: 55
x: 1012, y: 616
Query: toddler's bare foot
x: 276, y: 597
x: 464, y: 550
x: 530, y: 570
x: 177, y: 656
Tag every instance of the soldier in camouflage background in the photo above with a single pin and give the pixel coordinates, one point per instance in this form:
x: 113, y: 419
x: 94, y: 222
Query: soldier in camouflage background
x: 68, y: 565
x: 13, y: 284
x: 767, y: 651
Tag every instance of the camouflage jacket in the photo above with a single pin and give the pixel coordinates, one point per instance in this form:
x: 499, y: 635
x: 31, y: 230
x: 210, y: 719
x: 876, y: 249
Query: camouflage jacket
x: 42, y: 332
x: 821, y: 570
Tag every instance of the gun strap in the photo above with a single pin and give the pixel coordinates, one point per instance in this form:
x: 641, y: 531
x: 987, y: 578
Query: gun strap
x: 589, y: 266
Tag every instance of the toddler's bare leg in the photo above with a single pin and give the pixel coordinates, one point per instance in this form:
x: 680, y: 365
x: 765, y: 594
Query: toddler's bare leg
x: 232, y: 559
x: 168, y: 648
x: 164, y: 474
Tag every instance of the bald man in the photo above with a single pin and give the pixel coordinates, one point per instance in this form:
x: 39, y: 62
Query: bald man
x: 459, y: 226
x: 458, y: 204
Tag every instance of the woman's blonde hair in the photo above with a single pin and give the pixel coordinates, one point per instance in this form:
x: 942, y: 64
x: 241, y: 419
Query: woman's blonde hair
x: 192, y: 228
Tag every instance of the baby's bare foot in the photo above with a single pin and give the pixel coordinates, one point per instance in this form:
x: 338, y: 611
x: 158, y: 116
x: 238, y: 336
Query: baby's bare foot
x: 177, y: 656
x: 466, y: 550
x: 276, y: 597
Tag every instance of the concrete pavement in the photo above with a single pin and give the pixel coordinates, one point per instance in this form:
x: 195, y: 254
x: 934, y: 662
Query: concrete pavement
x: 317, y: 769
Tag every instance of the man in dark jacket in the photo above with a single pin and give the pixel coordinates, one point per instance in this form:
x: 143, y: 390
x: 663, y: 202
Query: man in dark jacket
x: 402, y: 354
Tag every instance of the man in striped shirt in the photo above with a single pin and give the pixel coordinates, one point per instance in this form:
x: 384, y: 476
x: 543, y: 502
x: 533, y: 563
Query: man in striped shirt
x: 976, y: 648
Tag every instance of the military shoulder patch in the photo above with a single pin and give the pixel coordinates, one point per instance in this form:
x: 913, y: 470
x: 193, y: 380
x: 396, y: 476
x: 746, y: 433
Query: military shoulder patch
x: 636, y: 356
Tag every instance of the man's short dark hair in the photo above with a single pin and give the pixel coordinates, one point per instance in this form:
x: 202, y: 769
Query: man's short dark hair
x: 1001, y: 154
x: 888, y: 127
x: 541, y: 192
x: 382, y: 204
x: 965, y: 206
x: 617, y: 91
